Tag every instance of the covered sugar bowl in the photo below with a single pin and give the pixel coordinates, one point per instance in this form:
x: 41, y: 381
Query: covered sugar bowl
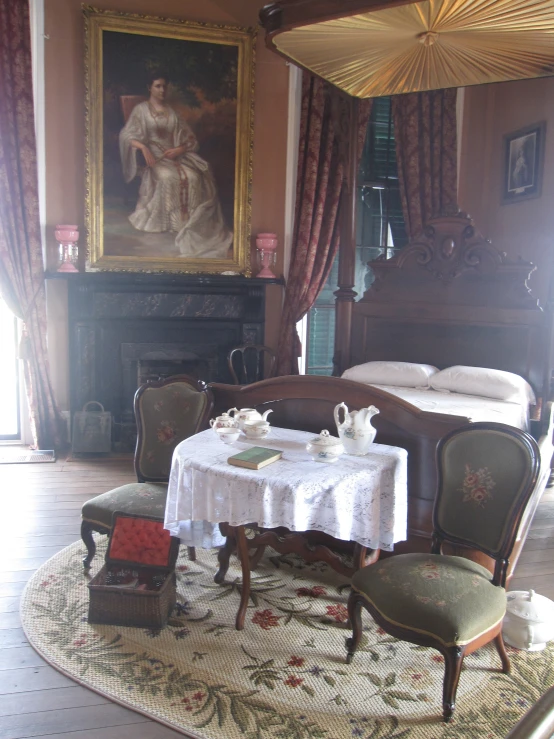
x: 325, y: 448
x: 529, y: 620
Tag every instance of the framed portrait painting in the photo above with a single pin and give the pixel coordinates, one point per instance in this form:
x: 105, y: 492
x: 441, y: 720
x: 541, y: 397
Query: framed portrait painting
x: 169, y: 129
x: 523, y: 163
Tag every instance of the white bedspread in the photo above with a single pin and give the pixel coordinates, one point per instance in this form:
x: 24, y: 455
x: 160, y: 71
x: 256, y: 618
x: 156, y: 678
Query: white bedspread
x: 457, y: 404
x: 362, y: 499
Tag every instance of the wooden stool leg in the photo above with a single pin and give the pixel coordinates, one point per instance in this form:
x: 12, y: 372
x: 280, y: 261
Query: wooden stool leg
x: 242, y: 551
x: 191, y: 551
x: 86, y: 536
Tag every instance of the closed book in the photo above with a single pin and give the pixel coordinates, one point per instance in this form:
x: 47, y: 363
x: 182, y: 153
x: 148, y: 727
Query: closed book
x: 255, y: 458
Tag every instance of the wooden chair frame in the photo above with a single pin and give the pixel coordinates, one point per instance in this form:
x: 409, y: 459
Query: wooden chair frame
x: 261, y: 352
x: 454, y: 656
x: 88, y: 527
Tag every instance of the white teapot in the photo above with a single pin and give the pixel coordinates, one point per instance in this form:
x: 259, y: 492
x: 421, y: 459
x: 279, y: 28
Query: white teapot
x: 356, y: 431
x: 225, y: 421
x: 247, y: 414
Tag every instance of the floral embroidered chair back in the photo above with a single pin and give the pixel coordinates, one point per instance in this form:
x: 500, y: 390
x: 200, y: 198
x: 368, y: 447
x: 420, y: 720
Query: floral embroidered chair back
x: 167, y: 411
x: 487, y: 473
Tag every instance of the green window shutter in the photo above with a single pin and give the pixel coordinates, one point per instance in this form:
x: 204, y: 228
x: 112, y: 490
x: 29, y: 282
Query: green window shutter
x: 379, y: 229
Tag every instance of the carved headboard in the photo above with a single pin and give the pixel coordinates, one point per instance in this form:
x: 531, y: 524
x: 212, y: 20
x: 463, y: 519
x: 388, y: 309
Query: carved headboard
x: 451, y: 298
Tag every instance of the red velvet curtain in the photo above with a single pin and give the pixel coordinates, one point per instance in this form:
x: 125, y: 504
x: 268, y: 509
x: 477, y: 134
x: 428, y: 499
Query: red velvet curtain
x: 425, y: 135
x: 316, y: 226
x: 21, y: 267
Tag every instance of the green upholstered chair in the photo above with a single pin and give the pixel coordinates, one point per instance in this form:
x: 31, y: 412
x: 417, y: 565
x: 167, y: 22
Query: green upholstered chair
x: 487, y: 473
x: 166, y: 411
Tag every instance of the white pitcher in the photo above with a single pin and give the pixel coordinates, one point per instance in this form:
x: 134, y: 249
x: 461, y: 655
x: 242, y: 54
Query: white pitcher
x: 356, y: 430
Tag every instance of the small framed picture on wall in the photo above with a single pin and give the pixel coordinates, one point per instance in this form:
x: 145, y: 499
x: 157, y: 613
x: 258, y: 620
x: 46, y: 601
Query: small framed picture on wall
x: 523, y: 163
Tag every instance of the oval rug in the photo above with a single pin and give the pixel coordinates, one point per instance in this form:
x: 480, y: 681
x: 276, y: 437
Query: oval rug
x: 284, y: 676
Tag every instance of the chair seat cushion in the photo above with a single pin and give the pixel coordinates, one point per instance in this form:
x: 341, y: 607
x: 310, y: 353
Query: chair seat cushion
x: 138, y: 498
x: 449, y: 598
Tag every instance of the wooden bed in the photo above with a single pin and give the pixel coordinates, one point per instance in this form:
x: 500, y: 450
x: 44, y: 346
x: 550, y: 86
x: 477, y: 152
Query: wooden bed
x: 449, y: 298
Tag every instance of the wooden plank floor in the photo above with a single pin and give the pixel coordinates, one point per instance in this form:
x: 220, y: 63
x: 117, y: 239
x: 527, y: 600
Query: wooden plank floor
x: 41, y: 506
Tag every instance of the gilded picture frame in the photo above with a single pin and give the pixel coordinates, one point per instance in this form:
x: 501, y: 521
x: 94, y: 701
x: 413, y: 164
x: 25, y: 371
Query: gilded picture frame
x: 169, y: 131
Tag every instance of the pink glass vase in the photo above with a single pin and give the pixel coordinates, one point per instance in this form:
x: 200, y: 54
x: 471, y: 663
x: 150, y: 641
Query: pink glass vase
x: 67, y: 236
x: 266, y: 245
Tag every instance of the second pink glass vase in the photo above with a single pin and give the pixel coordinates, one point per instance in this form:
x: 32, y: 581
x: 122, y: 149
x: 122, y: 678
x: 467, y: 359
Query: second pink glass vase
x: 67, y: 237
x: 266, y: 245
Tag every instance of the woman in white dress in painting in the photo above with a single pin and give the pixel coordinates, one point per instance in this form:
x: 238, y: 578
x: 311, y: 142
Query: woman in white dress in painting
x: 177, y: 191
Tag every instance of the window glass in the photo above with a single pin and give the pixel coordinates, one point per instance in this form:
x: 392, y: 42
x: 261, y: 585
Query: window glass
x: 9, y: 405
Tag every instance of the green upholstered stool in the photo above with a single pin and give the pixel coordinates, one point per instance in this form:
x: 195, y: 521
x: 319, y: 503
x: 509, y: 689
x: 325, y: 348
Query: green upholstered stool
x: 166, y: 411
x: 138, y: 498
x: 487, y: 474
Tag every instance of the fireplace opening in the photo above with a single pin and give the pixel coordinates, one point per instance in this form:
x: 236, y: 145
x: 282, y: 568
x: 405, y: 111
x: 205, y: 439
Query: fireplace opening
x: 160, y: 369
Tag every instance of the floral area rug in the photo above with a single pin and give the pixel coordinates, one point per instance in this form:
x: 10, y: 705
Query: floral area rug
x: 284, y: 676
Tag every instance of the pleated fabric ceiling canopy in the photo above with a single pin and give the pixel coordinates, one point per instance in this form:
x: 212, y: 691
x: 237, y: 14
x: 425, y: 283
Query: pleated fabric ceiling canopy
x: 394, y: 48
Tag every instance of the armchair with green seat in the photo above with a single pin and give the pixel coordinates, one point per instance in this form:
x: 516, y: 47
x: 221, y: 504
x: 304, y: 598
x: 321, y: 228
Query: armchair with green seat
x: 166, y: 412
x: 487, y: 474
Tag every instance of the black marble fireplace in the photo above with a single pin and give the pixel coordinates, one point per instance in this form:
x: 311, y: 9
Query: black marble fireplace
x: 127, y: 328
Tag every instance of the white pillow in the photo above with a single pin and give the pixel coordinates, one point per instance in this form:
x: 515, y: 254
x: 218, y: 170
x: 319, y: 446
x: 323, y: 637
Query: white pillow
x: 484, y: 382
x: 401, y: 374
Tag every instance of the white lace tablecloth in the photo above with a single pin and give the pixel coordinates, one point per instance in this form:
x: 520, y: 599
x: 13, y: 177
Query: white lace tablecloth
x: 361, y: 499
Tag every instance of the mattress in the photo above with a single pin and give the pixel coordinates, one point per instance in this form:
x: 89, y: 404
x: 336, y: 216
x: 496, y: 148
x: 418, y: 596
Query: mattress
x: 473, y: 407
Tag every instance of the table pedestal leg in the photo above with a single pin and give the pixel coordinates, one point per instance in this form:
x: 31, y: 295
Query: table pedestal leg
x: 244, y: 556
x: 361, y: 558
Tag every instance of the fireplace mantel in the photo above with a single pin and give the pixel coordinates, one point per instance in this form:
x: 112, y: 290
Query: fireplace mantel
x: 126, y: 327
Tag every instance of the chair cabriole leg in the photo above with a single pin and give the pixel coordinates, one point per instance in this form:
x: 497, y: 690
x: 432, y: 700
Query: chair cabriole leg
x: 453, y: 659
x: 501, y: 649
x: 355, y: 616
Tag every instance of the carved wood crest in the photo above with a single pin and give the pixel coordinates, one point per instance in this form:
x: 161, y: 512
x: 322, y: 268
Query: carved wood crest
x: 450, y: 246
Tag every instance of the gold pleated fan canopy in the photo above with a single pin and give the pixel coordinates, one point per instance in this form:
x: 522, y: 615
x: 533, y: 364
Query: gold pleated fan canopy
x: 425, y: 45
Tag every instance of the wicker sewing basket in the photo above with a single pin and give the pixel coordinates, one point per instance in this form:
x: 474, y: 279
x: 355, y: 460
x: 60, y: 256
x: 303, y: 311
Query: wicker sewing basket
x: 139, y: 544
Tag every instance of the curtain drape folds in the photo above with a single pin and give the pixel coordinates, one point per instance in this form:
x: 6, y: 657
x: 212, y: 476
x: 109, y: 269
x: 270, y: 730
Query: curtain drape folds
x: 425, y: 136
x: 318, y: 193
x: 21, y: 268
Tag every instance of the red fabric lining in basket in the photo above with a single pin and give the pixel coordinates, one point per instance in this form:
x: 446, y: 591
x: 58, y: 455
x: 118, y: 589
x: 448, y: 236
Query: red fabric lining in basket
x: 141, y: 541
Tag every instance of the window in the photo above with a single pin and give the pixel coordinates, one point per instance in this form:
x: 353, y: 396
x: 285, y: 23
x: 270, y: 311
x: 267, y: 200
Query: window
x: 9, y: 380
x: 379, y: 230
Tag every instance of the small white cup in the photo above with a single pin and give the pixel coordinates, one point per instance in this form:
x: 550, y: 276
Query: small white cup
x: 227, y: 435
x: 256, y: 429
